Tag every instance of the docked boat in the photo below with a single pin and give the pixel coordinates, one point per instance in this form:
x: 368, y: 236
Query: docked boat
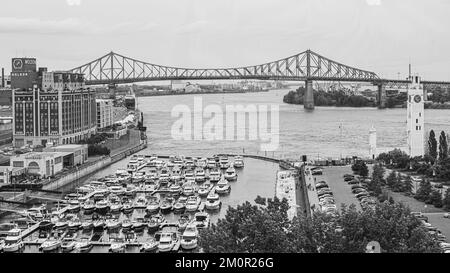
x: 99, y: 224
x: 84, y: 245
x: 102, y: 207
x: 68, y: 243
x: 138, y: 225
x: 200, y: 175
x: 74, y: 224
x: 73, y: 206
x: 153, y: 205
x: 175, y: 189
x: 13, y: 244
x: 201, y: 163
x: 50, y: 244
x: 192, y: 203
x: 211, y: 163
x: 140, y: 203
x: 164, y: 176
x: 155, y: 223
x: 215, y: 175
x: 166, y: 205
x: 201, y: 220
x: 88, y: 207
x: 238, y: 162
x: 116, y: 207
x: 213, y: 201
x: 127, y: 207
x: 230, y: 174
x: 117, y: 190
x: 167, y: 241
x: 176, y: 174
x: 204, y: 189
x: 189, y: 237
x: 150, y: 245
x: 138, y: 177
x: 113, y: 224
x: 224, y: 163
x: 45, y: 225
x: 223, y: 187
x: 127, y: 225
x: 118, y: 245
x: 188, y: 189
x: 183, y: 221
x: 87, y: 225
x: 7, y: 228
x: 180, y: 205
x: 61, y: 224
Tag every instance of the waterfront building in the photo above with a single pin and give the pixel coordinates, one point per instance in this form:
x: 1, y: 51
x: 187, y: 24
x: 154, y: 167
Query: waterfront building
x: 373, y: 143
x: 415, y: 117
x: 50, y: 107
x: 77, y: 153
x: 51, y: 161
x: 105, y: 113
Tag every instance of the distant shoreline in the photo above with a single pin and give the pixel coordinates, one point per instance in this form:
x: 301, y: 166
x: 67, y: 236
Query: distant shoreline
x: 171, y: 93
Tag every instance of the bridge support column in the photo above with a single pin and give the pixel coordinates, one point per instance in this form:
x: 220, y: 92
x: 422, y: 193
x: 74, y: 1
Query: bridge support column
x: 112, y: 90
x: 381, y: 96
x: 308, y: 98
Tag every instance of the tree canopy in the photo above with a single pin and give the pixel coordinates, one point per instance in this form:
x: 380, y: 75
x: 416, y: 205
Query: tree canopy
x: 265, y: 228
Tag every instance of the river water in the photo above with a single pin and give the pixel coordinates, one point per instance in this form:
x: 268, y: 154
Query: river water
x: 324, y: 132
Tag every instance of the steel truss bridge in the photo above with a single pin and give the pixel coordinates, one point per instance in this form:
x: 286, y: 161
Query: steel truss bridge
x: 307, y: 66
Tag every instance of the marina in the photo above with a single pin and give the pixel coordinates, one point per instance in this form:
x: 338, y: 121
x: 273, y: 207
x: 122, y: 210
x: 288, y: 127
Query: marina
x: 148, y: 198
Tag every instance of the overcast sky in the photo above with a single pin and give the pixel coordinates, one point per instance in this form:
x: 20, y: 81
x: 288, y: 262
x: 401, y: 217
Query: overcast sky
x: 377, y: 35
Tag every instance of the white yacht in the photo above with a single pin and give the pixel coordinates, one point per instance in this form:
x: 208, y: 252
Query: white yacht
x: 204, y: 189
x: 189, y: 237
x: 200, y: 175
x: 192, y: 203
x: 50, y: 244
x: 213, y: 201
x: 230, y: 174
x: 215, y: 175
x: 201, y: 220
x: 223, y: 187
x: 118, y: 245
x: 211, y: 163
x: 167, y: 241
x: 224, y: 163
x: 13, y: 244
x: 238, y: 162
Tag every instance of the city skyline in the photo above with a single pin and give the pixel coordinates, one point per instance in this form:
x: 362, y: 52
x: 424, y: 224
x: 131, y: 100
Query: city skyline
x: 200, y: 33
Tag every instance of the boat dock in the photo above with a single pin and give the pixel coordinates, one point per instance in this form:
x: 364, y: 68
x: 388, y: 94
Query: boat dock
x: 286, y: 188
x: 29, y: 231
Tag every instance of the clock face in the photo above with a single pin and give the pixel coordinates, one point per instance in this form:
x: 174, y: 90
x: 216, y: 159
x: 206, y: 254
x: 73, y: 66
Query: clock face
x: 417, y: 98
x: 17, y: 64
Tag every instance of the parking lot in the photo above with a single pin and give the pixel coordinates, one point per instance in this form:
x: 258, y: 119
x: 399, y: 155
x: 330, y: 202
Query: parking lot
x: 342, y: 192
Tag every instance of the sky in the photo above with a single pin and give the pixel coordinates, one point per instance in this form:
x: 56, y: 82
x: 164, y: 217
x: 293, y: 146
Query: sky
x: 382, y: 36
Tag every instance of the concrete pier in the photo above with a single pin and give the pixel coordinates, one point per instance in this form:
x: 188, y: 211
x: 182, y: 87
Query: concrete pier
x: 308, y: 98
x: 381, y: 96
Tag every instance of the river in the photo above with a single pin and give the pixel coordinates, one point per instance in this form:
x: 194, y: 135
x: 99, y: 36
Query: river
x: 314, y: 133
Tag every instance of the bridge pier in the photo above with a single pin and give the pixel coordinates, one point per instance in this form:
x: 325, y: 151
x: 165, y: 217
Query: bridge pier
x: 112, y: 90
x: 381, y: 98
x: 308, y: 98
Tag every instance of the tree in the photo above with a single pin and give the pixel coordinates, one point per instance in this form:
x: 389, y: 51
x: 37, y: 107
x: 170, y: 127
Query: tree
x: 255, y: 229
x: 407, y: 184
x: 446, y: 200
x: 374, y: 186
x: 424, y: 191
x: 436, y: 198
x: 391, y: 180
x: 432, y: 145
x: 360, y: 168
x: 378, y: 173
x: 443, y: 146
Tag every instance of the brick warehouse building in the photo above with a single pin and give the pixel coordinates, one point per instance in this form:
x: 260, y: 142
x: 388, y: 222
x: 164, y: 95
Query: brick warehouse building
x: 50, y: 107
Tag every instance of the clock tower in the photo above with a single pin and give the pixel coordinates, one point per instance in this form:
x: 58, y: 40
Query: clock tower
x: 415, y: 117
